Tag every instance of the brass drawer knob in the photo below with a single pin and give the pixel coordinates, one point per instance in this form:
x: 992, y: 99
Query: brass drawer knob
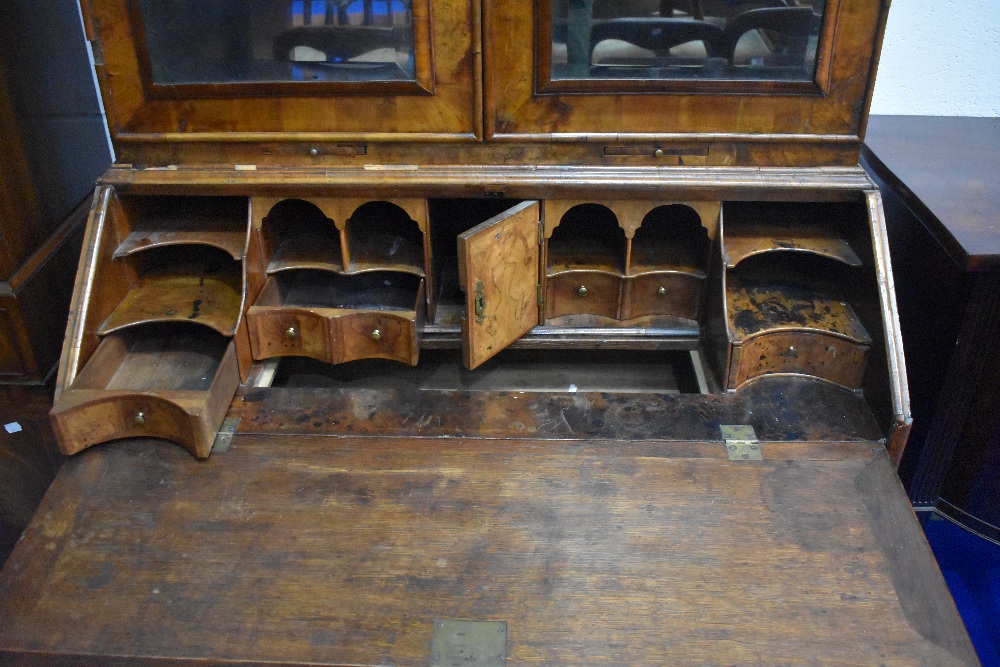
x: 291, y: 333
x: 139, y: 419
x: 376, y: 335
x: 582, y: 291
x: 658, y: 152
x: 661, y: 292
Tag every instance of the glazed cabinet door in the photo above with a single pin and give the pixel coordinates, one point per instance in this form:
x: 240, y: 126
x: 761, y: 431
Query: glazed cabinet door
x: 498, y: 267
x: 682, y: 79
x: 286, y: 70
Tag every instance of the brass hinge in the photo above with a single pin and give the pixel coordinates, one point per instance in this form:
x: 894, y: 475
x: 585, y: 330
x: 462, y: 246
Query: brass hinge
x: 469, y: 644
x: 541, y: 231
x: 741, y: 443
x: 538, y: 295
x: 225, y: 435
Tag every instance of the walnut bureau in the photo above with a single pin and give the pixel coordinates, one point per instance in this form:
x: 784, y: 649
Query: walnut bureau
x: 504, y: 332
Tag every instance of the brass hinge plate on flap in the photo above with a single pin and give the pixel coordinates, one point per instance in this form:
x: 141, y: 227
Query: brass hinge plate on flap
x: 741, y: 443
x: 469, y: 644
x: 225, y: 436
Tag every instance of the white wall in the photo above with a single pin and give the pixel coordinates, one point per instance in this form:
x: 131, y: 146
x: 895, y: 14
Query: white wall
x: 940, y: 58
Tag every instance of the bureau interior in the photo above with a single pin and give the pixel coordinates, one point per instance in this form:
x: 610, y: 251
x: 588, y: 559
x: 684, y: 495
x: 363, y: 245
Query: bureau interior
x: 748, y: 298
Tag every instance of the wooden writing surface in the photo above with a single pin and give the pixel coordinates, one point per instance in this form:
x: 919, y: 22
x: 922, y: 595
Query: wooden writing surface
x: 345, y: 551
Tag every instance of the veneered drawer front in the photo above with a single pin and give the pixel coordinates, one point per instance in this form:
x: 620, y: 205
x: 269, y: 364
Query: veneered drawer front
x: 819, y: 355
x: 280, y: 332
x: 122, y: 416
x: 375, y: 335
x: 88, y: 413
x: 675, y: 294
x: 583, y: 293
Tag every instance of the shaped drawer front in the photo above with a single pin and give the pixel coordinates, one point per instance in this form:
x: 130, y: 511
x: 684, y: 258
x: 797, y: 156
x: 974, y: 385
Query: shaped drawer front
x: 583, y: 293
x: 99, y: 417
x: 144, y: 383
x: 819, y: 355
x: 675, y: 294
x: 376, y: 335
x: 289, y: 332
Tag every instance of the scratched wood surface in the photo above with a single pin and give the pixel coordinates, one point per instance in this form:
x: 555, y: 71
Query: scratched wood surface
x: 298, y: 550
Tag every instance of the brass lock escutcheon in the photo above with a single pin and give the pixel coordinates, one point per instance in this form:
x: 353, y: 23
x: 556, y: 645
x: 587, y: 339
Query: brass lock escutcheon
x: 480, y: 302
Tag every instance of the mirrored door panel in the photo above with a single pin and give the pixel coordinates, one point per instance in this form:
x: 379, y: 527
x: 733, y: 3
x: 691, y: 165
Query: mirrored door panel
x: 267, y: 41
x: 681, y: 70
x: 748, y: 40
x: 234, y: 70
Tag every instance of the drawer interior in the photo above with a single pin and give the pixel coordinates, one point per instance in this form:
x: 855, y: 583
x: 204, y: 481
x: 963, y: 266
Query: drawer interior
x: 380, y: 290
x: 155, y: 358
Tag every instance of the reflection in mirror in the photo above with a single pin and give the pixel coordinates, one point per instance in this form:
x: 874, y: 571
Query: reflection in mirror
x: 763, y: 40
x: 248, y: 41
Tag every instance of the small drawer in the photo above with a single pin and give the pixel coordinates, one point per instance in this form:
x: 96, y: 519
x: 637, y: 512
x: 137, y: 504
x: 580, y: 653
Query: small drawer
x: 583, y: 293
x: 818, y: 355
x: 376, y: 335
x: 288, y: 332
x: 667, y: 293
x: 337, y: 318
x: 149, y: 383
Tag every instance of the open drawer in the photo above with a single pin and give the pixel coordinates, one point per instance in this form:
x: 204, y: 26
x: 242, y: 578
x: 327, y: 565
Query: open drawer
x: 337, y: 318
x: 155, y: 381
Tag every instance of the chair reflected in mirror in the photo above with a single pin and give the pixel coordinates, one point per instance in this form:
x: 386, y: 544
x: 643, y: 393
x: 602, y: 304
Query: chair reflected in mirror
x: 349, y: 40
x: 773, y: 37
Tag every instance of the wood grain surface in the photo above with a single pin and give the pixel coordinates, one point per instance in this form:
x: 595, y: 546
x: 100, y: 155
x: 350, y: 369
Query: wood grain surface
x: 302, y: 550
x: 943, y: 168
x: 501, y: 256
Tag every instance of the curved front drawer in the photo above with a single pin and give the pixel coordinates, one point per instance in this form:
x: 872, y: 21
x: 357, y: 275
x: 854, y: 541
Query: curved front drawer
x: 667, y: 293
x: 90, y: 417
x: 375, y: 335
x: 818, y: 355
x: 583, y: 293
x: 281, y: 332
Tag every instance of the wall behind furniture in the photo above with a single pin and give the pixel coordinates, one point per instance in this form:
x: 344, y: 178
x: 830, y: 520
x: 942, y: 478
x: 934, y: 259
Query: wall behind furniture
x: 940, y: 58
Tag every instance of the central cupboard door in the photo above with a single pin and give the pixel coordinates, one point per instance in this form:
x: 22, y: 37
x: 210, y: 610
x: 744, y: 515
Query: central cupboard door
x: 287, y: 70
x: 498, y: 264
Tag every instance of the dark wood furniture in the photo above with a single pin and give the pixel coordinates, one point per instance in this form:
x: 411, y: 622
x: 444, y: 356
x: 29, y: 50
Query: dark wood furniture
x: 620, y: 373
x: 942, y: 213
x: 54, y: 146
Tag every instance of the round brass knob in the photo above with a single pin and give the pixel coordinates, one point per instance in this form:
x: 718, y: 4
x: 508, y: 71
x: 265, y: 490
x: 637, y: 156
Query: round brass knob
x: 314, y: 151
x: 582, y: 291
x: 139, y: 419
x: 661, y: 292
x: 291, y: 333
x: 658, y: 152
x: 376, y: 335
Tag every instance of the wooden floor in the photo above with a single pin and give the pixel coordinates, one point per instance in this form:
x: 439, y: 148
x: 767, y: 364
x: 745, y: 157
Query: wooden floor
x: 298, y: 549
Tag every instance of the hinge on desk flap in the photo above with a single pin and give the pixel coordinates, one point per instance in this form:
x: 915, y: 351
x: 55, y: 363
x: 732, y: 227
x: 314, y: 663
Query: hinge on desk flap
x: 741, y: 443
x: 469, y: 644
x: 225, y: 435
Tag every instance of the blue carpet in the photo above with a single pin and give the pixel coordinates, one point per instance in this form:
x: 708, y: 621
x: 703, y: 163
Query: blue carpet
x: 971, y: 566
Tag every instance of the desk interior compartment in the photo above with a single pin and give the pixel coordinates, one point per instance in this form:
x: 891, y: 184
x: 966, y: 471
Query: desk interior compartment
x: 336, y: 318
x: 157, y: 380
x: 800, y: 292
x: 151, y: 348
